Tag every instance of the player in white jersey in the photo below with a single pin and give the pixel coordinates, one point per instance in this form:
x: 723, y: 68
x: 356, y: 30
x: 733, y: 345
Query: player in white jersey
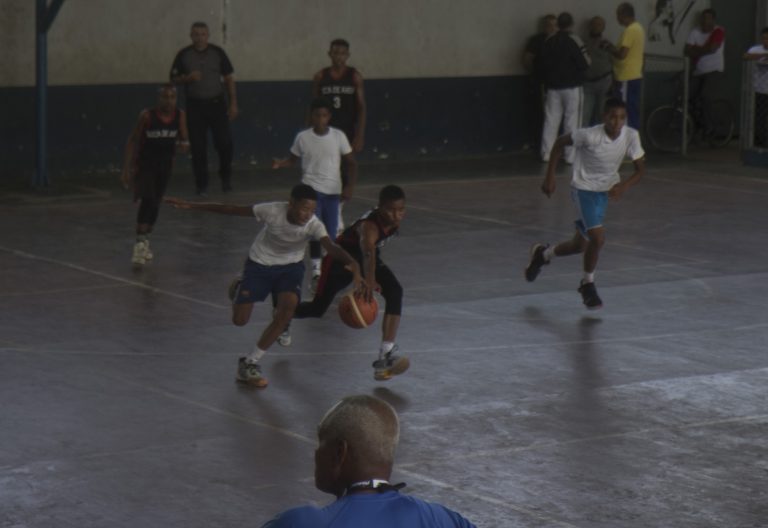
x: 599, y: 152
x: 321, y: 149
x: 275, y: 265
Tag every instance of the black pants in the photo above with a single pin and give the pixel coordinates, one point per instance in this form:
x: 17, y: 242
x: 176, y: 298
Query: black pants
x: 761, y: 120
x: 151, y: 182
x: 202, y: 115
x: 335, y: 278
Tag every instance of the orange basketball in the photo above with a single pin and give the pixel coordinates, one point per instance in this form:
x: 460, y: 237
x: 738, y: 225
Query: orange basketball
x: 356, y: 312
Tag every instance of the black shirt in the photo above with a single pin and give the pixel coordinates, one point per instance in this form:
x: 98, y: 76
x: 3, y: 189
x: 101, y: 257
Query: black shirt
x: 212, y: 63
x: 563, y: 62
x: 343, y: 96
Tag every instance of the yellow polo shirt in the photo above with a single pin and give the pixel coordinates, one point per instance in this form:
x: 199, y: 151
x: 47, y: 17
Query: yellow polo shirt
x: 631, y: 67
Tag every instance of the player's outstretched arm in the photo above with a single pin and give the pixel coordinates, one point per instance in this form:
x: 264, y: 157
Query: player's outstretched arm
x: 618, y: 190
x: 548, y: 186
x: 358, y: 142
x: 369, y: 234
x: 280, y: 163
x: 226, y: 209
x: 337, y: 253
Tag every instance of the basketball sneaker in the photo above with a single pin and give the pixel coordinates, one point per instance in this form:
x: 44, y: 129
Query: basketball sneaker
x: 250, y: 374
x: 589, y: 295
x: 537, y: 261
x: 283, y: 339
x: 138, y: 258
x: 233, y: 286
x: 390, y: 365
x: 315, y: 280
x: 148, y: 255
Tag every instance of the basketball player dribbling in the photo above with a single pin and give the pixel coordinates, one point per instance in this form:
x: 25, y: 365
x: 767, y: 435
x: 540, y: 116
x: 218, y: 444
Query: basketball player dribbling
x: 363, y: 240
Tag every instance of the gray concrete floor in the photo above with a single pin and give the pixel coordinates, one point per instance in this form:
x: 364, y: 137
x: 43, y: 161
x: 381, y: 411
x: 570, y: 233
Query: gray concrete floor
x: 521, y: 408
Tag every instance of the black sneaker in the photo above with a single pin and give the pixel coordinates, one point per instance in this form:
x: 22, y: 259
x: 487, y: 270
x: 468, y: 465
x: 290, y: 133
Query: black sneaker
x: 250, y: 374
x: 589, y: 295
x: 537, y: 261
x: 390, y: 365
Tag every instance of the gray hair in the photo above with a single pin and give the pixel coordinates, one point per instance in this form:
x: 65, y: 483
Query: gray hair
x: 368, y: 425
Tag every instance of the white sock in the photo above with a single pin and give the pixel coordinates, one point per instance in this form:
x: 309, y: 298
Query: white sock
x: 549, y: 253
x: 255, y: 356
x: 588, y: 277
x: 386, y: 347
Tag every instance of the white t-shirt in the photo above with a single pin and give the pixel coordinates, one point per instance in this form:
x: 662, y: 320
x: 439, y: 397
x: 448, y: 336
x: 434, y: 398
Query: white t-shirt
x: 760, y: 72
x: 711, y: 62
x: 598, y: 157
x: 279, y: 241
x: 321, y: 158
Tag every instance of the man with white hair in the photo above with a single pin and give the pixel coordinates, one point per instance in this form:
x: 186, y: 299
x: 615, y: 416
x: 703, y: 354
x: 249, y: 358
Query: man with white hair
x: 357, y: 439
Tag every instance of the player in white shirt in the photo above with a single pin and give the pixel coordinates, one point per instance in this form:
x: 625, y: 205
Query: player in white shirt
x: 321, y: 149
x: 599, y: 152
x: 275, y: 265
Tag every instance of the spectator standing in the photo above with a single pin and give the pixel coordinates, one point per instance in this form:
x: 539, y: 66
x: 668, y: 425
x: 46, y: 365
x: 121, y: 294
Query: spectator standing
x: 204, y: 70
x: 599, y: 75
x: 628, y: 63
x: 563, y: 62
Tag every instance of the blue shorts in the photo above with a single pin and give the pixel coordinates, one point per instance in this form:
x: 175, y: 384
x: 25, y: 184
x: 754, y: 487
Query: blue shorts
x: 591, y: 207
x: 259, y: 281
x: 328, y: 212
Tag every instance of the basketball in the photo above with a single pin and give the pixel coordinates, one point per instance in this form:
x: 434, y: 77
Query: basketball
x: 356, y: 312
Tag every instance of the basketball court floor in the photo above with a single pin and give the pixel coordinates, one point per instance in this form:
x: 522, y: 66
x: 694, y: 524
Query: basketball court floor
x: 521, y: 408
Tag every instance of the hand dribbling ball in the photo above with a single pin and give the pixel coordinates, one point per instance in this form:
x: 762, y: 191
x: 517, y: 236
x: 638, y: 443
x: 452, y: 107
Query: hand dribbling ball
x: 356, y: 312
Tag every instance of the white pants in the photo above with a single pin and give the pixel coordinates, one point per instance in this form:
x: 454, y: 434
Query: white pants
x: 560, y: 106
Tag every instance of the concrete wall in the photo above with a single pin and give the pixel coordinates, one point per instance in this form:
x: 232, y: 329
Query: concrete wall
x: 443, y: 77
x: 118, y: 42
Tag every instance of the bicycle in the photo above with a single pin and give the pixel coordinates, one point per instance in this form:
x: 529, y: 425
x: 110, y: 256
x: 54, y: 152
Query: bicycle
x: 664, y: 125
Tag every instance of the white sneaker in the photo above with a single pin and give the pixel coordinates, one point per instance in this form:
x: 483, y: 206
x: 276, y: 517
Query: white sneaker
x: 147, y: 253
x: 138, y: 258
x: 284, y: 339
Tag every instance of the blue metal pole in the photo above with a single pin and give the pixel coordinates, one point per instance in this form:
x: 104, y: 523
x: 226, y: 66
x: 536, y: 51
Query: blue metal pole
x: 41, y: 99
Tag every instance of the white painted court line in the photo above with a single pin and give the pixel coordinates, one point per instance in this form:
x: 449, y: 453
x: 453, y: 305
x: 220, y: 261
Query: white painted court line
x: 276, y: 353
x: 83, y: 269
x: 482, y: 498
x: 548, y: 444
x: 65, y: 290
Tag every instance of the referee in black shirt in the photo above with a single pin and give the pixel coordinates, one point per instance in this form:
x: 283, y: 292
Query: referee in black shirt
x: 204, y: 69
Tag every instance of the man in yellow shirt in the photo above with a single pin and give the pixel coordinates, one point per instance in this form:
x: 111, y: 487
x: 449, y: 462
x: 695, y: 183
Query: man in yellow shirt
x: 628, y: 62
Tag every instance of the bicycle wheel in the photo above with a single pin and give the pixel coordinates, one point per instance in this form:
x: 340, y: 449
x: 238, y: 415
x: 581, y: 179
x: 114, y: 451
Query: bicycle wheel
x: 665, y: 128
x: 722, y: 123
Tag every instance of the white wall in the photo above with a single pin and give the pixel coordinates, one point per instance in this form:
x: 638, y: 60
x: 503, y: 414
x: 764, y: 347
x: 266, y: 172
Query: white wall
x: 118, y: 41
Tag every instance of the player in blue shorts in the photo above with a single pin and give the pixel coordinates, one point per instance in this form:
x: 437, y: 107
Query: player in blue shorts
x: 275, y: 265
x: 599, y: 152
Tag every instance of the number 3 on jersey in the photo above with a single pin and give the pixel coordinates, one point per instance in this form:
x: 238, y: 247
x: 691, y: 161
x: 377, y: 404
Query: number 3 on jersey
x: 336, y: 101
